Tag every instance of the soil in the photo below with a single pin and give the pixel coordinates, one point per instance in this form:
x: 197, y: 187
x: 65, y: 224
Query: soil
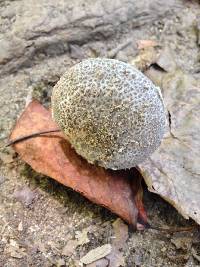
x: 38, y: 42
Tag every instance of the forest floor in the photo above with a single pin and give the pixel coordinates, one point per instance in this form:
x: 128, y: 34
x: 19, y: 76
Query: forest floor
x: 43, y: 223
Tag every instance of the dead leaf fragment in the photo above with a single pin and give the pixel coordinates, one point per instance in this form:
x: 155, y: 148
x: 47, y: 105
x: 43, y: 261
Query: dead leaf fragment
x: 60, y: 262
x: 41, y: 247
x: 173, y: 171
x: 69, y: 249
x: 99, y: 263
x: 96, y: 254
x: 53, y: 156
x: 120, y: 232
x: 116, y: 257
x: 145, y: 58
x: 141, y: 44
x: 182, y: 241
x: 82, y: 237
x: 15, y: 250
x: 195, y: 255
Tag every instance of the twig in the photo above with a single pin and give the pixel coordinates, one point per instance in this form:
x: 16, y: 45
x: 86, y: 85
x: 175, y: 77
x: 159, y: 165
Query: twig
x: 23, y: 138
x: 112, y: 53
x: 194, y: 254
x: 3, y: 228
x: 175, y: 229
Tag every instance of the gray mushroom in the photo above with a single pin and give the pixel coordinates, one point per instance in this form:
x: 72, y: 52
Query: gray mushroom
x: 110, y: 112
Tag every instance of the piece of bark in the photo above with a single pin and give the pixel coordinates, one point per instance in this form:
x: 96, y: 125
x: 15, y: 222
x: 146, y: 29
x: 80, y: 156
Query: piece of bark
x: 52, y: 155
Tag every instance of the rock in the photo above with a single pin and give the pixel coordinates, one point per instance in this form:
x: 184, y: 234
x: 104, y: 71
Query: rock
x: 166, y: 60
x: 121, y: 55
x: 76, y: 52
x: 25, y: 195
x: 20, y: 227
x: 6, y: 158
x: 48, y: 27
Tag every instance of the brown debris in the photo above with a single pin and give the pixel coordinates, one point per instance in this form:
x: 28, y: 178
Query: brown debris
x: 145, y: 58
x: 142, y: 44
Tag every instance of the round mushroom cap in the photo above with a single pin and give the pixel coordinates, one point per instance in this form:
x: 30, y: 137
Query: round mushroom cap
x: 110, y: 112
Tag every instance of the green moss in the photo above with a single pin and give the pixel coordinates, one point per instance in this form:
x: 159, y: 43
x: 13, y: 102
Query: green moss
x: 42, y: 93
x: 34, y: 178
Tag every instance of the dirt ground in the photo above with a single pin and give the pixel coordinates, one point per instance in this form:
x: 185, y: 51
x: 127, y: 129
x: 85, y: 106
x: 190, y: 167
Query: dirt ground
x: 40, y: 220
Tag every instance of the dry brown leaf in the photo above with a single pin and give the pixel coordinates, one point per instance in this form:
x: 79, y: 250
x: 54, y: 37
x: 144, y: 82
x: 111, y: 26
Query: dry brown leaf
x: 52, y: 155
x: 173, y: 171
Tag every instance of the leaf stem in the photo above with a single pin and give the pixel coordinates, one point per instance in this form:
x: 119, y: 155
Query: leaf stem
x: 23, y: 138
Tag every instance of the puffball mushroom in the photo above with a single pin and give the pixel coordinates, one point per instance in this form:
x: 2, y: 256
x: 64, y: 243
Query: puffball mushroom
x: 110, y: 112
